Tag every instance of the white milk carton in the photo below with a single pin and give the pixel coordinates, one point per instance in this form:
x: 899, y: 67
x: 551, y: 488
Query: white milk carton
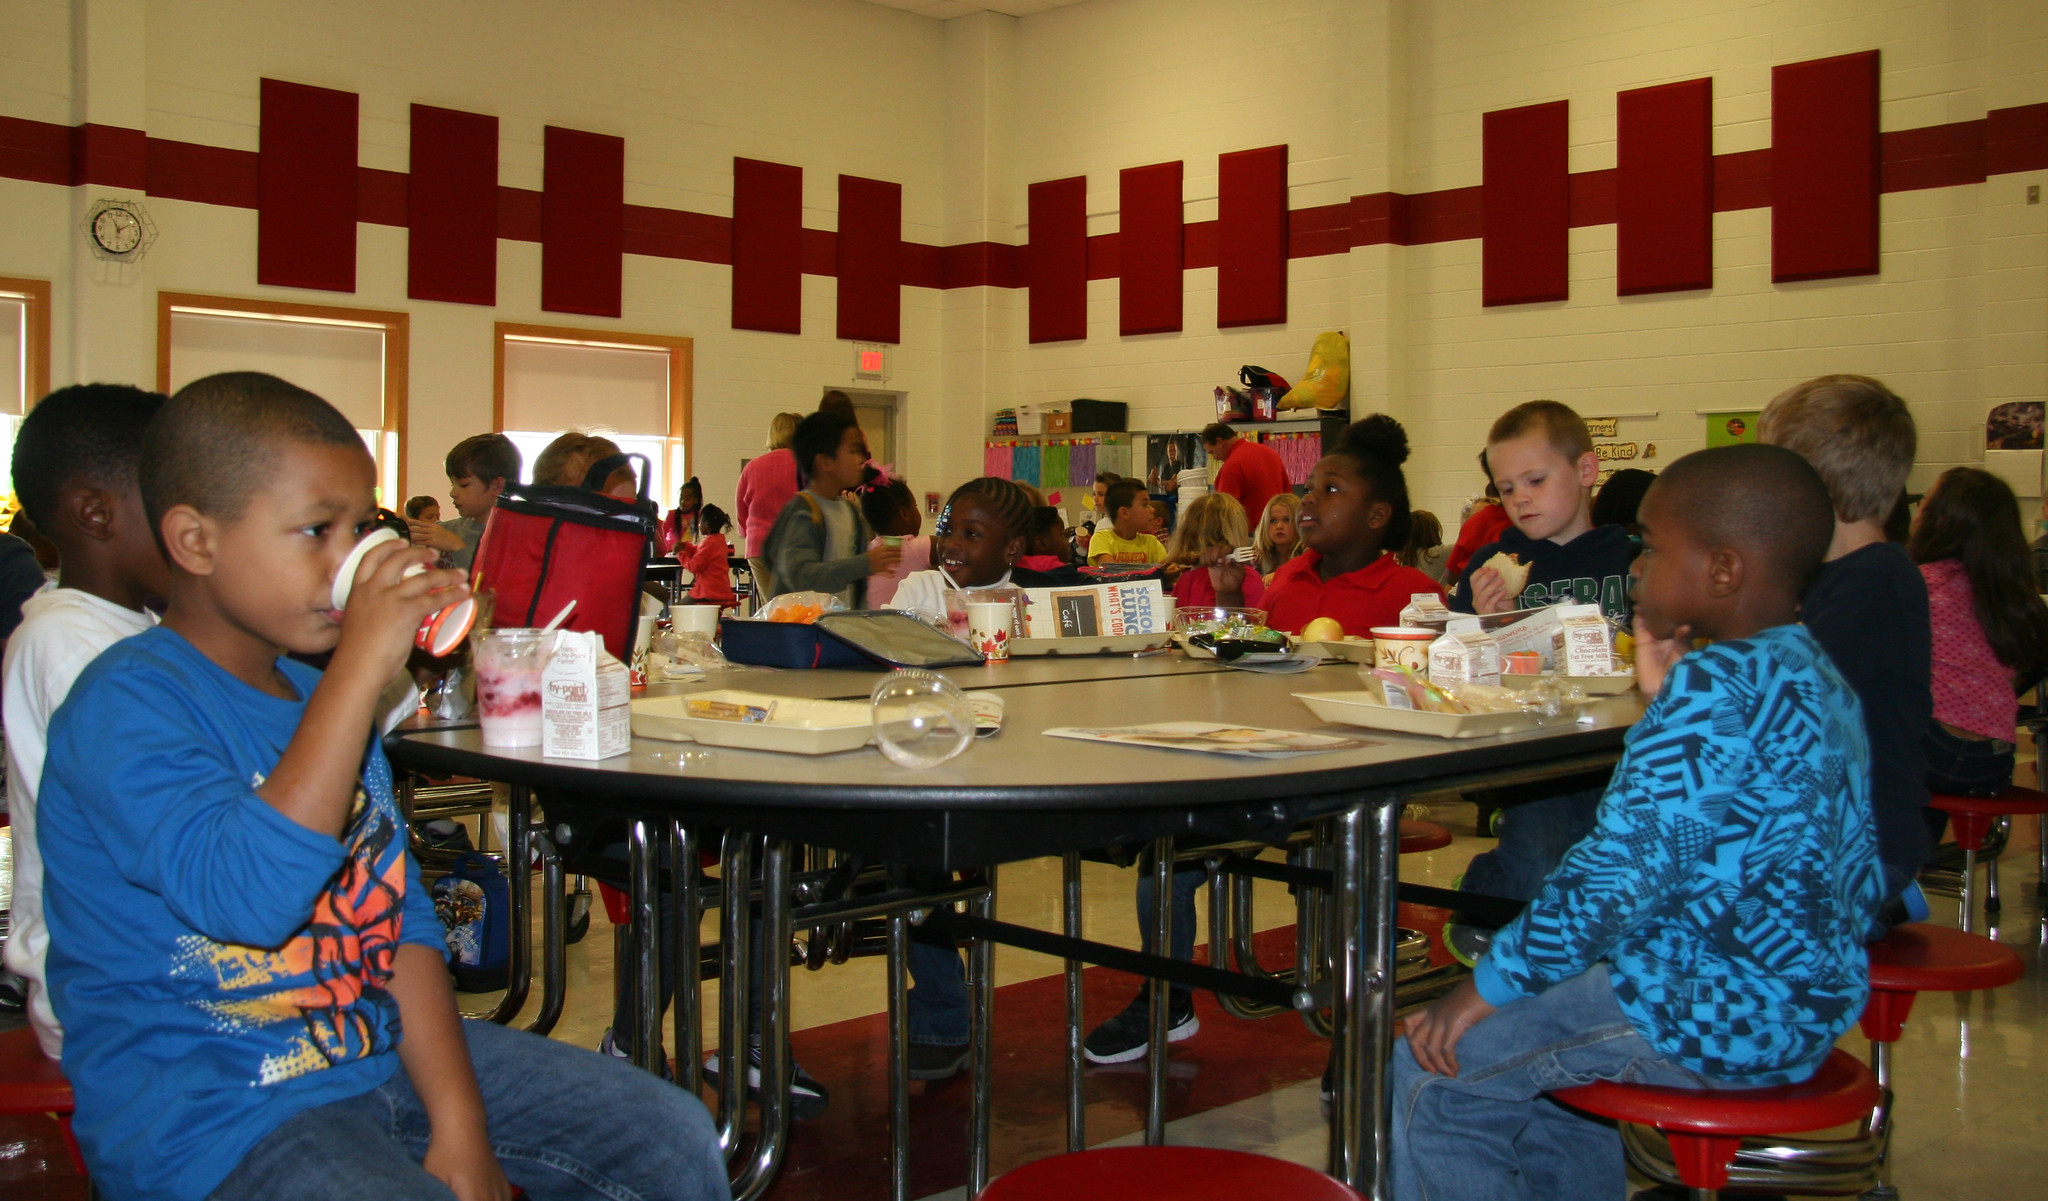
x: 1465, y: 654
x: 584, y: 695
x: 1425, y: 609
x: 1584, y: 643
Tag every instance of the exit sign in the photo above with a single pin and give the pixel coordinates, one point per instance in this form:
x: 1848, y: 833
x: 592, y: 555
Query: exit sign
x: 871, y: 363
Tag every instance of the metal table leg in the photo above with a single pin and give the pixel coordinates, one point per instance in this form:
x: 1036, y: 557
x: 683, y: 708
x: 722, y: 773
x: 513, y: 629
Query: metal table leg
x: 766, y: 1156
x: 1368, y: 846
x: 1159, y: 994
x: 736, y: 936
x: 554, y: 927
x: 644, y: 864
x: 518, y: 863
x: 981, y: 993
x: 1070, y: 907
x: 686, y: 955
x: 899, y: 1072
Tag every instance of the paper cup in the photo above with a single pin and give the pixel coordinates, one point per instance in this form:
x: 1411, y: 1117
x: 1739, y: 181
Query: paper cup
x: 1402, y: 646
x: 701, y: 620
x: 989, y: 626
x: 441, y: 632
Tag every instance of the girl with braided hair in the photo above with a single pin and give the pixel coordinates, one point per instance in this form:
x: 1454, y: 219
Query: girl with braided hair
x: 980, y: 535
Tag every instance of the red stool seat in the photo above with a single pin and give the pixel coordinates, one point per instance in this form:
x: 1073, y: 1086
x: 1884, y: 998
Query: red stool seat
x: 1706, y: 1126
x: 1919, y: 957
x: 1419, y: 836
x: 1164, y: 1174
x: 1973, y: 815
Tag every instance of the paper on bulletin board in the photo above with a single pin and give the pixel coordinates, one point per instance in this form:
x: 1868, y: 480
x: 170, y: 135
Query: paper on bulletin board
x: 1098, y: 611
x: 1732, y: 429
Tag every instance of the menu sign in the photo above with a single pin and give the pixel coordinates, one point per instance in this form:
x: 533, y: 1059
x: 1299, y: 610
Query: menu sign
x: 1101, y: 611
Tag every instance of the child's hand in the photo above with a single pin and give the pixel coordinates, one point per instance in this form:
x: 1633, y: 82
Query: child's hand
x: 430, y: 534
x: 1654, y: 656
x: 386, y: 606
x: 1433, y: 1034
x: 882, y: 558
x: 1490, y: 592
x: 465, y: 1164
x: 1225, y: 573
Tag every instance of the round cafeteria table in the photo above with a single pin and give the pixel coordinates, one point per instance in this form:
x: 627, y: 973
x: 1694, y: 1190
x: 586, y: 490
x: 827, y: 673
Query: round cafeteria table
x: 1021, y: 795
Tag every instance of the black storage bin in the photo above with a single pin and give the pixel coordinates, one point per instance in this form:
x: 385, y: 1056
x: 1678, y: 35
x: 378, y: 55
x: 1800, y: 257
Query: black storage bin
x: 1099, y: 416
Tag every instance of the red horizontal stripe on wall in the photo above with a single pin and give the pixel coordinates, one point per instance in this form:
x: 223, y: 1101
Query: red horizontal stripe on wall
x: 1198, y: 244
x: 1105, y: 256
x: 1664, y: 188
x: 1526, y: 204
x: 1938, y: 156
x: 306, y: 188
x: 1251, y: 237
x: 2016, y: 139
x: 1592, y: 199
x: 820, y: 252
x: 1151, y: 249
x: 582, y: 222
x: 674, y: 234
x: 35, y: 151
x: 923, y: 266
x: 870, y: 260
x: 382, y: 197
x: 110, y: 156
x: 767, y: 246
x: 1377, y: 220
x: 1825, y: 168
x: 1451, y: 215
x: 518, y: 214
x: 1742, y: 180
x: 982, y: 264
x: 1055, y: 261
x: 452, y: 250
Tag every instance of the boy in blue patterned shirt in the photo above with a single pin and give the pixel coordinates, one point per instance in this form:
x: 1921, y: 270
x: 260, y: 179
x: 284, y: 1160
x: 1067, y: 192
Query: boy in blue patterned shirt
x: 253, y: 985
x: 1709, y: 931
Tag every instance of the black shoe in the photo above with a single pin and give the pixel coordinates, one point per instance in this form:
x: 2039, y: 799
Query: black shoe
x: 929, y: 1061
x: 13, y: 992
x: 444, y: 835
x: 807, y: 1098
x: 1125, y: 1036
x: 610, y: 1046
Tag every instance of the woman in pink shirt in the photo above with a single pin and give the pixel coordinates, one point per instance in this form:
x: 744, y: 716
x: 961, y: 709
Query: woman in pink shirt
x: 1990, y: 629
x: 767, y: 483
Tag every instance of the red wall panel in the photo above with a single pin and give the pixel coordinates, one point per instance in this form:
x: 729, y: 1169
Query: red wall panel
x: 1525, y: 204
x: 1664, y: 188
x: 2016, y: 139
x: 1056, y: 259
x: 1825, y: 172
x: 767, y: 246
x: 452, y: 207
x: 582, y: 222
x: 107, y: 154
x: 1251, y: 237
x: 870, y: 260
x: 1150, y: 249
x: 306, y: 188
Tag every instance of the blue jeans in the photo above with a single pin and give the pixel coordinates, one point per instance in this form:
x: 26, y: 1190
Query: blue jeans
x: 1490, y: 1132
x: 1534, y: 836
x: 564, y: 1123
x: 1186, y: 882
x: 938, y: 995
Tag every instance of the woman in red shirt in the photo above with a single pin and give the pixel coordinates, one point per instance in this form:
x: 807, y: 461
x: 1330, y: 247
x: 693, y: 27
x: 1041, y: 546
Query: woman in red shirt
x: 1355, y: 508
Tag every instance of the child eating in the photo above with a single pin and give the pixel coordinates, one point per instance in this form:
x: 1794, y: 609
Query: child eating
x: 1710, y: 930
x: 981, y: 535
x: 1211, y: 531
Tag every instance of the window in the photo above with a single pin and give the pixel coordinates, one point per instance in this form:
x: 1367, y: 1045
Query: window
x: 24, y: 359
x: 631, y: 388
x: 355, y: 359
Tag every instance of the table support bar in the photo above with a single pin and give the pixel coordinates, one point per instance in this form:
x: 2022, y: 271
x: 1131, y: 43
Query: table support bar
x: 1483, y: 909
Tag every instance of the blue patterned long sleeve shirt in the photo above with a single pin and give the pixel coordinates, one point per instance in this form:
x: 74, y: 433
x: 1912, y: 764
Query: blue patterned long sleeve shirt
x: 1732, y: 872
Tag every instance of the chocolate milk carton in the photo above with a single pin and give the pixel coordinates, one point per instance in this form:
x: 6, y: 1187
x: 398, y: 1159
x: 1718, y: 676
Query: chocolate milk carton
x: 1583, y: 642
x: 584, y: 696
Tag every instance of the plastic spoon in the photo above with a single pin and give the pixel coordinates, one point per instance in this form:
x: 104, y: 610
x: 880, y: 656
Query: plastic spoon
x: 559, y: 618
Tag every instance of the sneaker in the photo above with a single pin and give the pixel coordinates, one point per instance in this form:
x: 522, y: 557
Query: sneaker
x: 931, y: 1061
x: 609, y: 1046
x: 444, y: 835
x: 1466, y: 943
x: 1125, y: 1036
x: 13, y: 992
x: 807, y: 1097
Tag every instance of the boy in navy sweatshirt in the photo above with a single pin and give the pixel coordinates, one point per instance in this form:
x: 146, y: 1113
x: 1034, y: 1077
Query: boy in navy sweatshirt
x: 253, y: 985
x: 1710, y: 930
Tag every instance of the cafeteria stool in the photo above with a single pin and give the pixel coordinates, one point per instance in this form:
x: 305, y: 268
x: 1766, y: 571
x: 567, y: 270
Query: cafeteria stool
x: 1972, y: 817
x: 1164, y: 1174
x: 1706, y: 1126
x: 1420, y: 836
x: 31, y: 1084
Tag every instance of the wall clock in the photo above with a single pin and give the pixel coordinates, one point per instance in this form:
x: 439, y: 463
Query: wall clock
x: 120, y: 230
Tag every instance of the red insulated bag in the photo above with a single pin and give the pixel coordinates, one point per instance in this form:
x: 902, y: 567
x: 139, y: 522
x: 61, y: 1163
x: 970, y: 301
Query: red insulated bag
x: 547, y: 545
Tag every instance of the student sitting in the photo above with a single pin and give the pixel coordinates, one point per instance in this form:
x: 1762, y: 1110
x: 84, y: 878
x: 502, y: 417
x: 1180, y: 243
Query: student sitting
x: 478, y: 468
x: 1354, y: 512
x: 817, y: 543
x: 1212, y: 528
x: 1277, y: 540
x: 423, y: 508
x: 1425, y: 550
x: 1710, y: 931
x: 1990, y: 631
x: 1484, y: 522
x: 253, y: 984
x: 1126, y: 538
x: 1050, y: 546
x: 981, y: 535
x: 684, y: 523
x: 892, y: 513
x: 709, y: 559
x: 75, y: 470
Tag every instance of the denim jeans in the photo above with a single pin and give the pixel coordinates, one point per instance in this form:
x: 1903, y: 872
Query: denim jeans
x: 1534, y: 836
x: 1187, y: 881
x: 564, y: 1123
x: 1490, y: 1132
x: 938, y: 994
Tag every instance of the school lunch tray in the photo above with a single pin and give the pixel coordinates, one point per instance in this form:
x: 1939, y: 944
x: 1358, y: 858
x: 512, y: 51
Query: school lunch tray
x: 1106, y: 644
x: 796, y: 726
x: 1354, y: 708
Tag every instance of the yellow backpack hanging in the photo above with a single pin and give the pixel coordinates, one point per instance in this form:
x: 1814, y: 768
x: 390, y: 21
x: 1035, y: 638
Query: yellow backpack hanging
x: 1327, y: 383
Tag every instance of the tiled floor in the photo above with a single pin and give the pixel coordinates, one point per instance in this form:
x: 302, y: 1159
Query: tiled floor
x: 1970, y: 1110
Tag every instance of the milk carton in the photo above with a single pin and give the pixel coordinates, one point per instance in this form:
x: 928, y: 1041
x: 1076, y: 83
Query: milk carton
x: 1583, y: 643
x: 1465, y: 654
x: 584, y: 697
x: 1425, y: 609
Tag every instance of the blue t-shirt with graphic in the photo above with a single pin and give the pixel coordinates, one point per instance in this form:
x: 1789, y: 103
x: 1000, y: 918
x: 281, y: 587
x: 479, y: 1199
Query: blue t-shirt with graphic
x: 217, y: 966
x: 1732, y: 872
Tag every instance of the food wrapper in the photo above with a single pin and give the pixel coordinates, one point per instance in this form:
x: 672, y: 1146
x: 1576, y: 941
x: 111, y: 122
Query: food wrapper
x: 1400, y: 688
x: 800, y: 608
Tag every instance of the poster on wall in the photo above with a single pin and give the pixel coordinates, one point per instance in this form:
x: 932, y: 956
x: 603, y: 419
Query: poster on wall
x: 2015, y: 425
x: 1167, y: 455
x: 2012, y: 450
x: 1732, y: 429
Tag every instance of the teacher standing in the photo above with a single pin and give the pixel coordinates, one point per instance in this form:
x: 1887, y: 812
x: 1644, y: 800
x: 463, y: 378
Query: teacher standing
x: 767, y: 483
x: 1252, y: 471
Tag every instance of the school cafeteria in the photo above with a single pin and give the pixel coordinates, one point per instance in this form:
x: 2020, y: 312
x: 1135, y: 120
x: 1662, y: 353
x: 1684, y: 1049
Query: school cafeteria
x: 1023, y: 600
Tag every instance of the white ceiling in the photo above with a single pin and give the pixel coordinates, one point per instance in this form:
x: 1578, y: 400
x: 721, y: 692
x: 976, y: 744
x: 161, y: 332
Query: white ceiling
x: 946, y: 10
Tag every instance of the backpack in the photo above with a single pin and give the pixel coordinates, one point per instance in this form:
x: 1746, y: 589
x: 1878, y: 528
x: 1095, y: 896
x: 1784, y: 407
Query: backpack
x: 546, y: 545
x: 474, y: 903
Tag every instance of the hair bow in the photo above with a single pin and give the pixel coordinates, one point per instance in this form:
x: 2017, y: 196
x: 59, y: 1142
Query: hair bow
x: 885, y: 474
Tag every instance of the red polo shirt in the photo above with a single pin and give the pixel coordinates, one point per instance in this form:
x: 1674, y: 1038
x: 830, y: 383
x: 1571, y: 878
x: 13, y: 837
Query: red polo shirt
x: 1374, y: 595
x: 1254, y: 474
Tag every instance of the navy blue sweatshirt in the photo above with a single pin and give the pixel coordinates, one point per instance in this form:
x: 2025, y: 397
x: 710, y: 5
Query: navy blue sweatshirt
x: 1591, y: 569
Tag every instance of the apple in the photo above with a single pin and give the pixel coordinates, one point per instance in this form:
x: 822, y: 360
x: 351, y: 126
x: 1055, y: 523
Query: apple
x: 1323, y: 629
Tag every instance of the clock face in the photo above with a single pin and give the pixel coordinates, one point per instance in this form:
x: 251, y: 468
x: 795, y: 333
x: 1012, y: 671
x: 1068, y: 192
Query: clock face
x: 117, y: 231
